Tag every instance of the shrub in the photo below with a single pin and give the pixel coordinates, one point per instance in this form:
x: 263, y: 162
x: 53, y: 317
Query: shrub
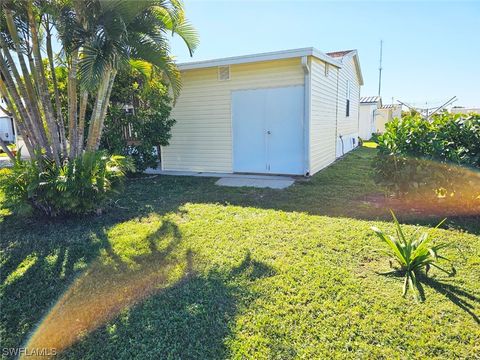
x: 375, y: 137
x: 78, y: 186
x: 431, y: 157
x: 413, y: 254
x: 138, y: 134
x: 446, y: 138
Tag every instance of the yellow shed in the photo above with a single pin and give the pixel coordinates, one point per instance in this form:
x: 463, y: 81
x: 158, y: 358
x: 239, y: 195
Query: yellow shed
x: 287, y: 112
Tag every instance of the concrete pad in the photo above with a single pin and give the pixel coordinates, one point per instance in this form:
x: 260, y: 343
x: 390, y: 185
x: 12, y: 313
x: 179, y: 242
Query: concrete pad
x: 255, y: 182
x: 152, y: 171
x: 234, y: 180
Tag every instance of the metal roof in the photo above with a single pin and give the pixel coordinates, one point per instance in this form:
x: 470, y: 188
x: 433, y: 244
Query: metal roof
x: 370, y: 99
x: 276, y: 55
x: 342, y: 53
x: 389, y: 106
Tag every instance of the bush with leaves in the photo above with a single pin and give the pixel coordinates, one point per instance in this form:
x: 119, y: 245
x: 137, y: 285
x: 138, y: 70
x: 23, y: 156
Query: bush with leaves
x: 437, y: 158
x: 78, y: 186
x: 413, y: 254
x: 138, y: 134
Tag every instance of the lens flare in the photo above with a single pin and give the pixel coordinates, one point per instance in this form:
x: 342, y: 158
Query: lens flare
x: 127, y: 272
x: 446, y: 190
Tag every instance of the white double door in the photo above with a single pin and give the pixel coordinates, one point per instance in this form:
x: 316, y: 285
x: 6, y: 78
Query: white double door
x: 268, y: 131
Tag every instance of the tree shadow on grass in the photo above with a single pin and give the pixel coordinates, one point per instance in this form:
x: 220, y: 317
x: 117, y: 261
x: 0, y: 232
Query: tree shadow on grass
x: 40, y: 262
x: 35, y: 274
x: 190, y: 320
x: 117, y: 279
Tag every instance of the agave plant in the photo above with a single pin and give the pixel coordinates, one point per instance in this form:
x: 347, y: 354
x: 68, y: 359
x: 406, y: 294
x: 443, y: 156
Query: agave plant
x: 414, y: 254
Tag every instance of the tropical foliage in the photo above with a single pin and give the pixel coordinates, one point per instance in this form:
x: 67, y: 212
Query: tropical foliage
x: 140, y: 131
x: 439, y: 158
x: 59, y: 102
x: 78, y: 186
x: 413, y: 254
x: 97, y: 38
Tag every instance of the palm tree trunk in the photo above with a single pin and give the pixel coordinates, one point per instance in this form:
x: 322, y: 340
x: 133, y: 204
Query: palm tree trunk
x: 72, y: 104
x: 61, y: 123
x: 105, y: 105
x: 42, y: 85
x: 5, y: 110
x: 5, y: 67
x: 5, y: 148
x: 19, y: 119
x: 8, y: 88
x: 31, y: 101
x: 81, y: 121
x: 97, y: 110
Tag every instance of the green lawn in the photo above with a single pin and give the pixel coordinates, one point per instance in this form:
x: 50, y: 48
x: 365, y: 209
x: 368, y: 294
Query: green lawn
x: 183, y: 269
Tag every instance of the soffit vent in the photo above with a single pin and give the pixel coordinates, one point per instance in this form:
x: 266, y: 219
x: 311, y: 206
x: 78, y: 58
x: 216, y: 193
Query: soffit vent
x: 224, y: 73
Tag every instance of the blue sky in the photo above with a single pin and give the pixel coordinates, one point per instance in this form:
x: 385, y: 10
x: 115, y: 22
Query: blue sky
x: 431, y: 49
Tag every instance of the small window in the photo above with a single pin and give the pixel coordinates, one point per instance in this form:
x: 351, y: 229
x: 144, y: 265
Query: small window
x: 347, y: 96
x: 327, y: 69
x: 224, y: 73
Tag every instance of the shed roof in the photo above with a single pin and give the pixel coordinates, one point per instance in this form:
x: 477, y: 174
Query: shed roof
x: 345, y: 54
x: 276, y: 55
x: 370, y: 99
x: 342, y: 53
x: 390, y: 106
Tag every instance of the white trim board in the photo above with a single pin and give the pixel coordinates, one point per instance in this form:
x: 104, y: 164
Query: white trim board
x: 276, y: 55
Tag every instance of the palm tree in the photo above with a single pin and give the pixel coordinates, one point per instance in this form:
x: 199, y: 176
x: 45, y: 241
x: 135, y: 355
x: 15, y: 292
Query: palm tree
x: 97, y: 38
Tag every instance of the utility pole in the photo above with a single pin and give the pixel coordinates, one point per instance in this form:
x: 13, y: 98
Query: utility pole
x: 380, y: 70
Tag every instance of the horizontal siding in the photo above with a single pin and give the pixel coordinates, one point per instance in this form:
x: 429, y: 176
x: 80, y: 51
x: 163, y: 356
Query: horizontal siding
x: 202, y: 136
x: 348, y: 125
x: 323, y: 115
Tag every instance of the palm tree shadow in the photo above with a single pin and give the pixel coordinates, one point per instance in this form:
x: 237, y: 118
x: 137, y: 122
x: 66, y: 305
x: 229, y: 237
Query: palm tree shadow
x: 463, y: 299
x: 189, y: 320
x: 253, y: 269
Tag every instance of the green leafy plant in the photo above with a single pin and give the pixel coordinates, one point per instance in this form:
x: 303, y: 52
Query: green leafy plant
x: 78, y: 186
x: 437, y: 160
x: 138, y: 134
x: 414, y: 254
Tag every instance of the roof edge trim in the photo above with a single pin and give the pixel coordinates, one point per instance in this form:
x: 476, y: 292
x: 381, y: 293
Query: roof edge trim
x: 276, y: 55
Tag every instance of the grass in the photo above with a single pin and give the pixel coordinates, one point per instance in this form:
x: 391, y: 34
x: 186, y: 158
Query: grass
x: 370, y: 144
x: 183, y: 269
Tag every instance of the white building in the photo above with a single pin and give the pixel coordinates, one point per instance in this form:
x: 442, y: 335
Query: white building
x: 385, y: 114
x: 287, y: 112
x: 463, y: 110
x: 7, y: 128
x: 369, y: 106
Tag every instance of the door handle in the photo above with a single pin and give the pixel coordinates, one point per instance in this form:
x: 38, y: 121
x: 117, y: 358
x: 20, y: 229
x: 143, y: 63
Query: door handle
x: 269, y: 132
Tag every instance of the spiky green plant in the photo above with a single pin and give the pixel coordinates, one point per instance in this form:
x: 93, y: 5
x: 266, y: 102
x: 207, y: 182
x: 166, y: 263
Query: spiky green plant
x: 414, y: 254
x: 78, y: 186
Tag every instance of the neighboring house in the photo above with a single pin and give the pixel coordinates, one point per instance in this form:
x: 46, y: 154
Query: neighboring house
x: 7, y: 128
x: 463, y: 110
x: 287, y: 112
x: 385, y: 114
x: 369, y: 106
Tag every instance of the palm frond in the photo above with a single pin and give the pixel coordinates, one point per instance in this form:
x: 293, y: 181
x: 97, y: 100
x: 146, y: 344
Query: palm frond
x: 143, y: 48
x: 180, y: 26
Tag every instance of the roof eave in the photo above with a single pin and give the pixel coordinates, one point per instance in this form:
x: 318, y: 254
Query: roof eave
x: 244, y: 59
x: 354, y: 54
x: 359, y: 69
